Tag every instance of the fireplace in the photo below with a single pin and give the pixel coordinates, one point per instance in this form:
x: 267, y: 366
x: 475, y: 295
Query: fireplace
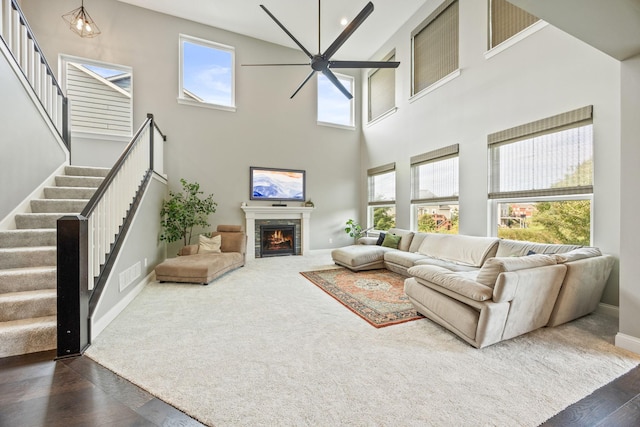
x: 277, y: 240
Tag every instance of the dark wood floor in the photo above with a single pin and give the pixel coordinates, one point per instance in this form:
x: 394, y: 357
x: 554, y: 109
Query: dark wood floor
x: 37, y: 391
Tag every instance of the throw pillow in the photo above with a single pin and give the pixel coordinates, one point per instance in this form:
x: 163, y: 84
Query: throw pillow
x: 209, y: 245
x: 391, y: 241
x: 380, y: 238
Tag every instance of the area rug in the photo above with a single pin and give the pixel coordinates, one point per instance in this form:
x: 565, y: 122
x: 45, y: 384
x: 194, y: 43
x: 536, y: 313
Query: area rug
x: 375, y: 295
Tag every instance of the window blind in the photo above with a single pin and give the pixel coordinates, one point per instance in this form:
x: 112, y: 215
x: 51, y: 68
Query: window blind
x: 435, y: 46
x: 548, y: 157
x: 382, y: 184
x: 506, y: 20
x: 382, y: 90
x: 434, y: 176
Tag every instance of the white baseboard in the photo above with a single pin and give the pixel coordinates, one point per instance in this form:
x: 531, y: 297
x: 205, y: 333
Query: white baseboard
x: 628, y: 342
x: 608, y: 309
x: 99, y: 325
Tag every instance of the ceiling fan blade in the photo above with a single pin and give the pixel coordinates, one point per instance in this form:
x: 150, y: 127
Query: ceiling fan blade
x: 363, y: 64
x: 273, y: 65
x: 303, y: 83
x: 306, y: 52
x: 332, y: 77
x: 349, y: 29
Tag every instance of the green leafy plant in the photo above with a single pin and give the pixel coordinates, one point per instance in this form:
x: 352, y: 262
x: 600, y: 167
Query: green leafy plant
x: 184, y: 211
x: 354, y: 229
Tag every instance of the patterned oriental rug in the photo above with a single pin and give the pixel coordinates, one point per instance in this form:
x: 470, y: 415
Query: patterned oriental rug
x: 375, y: 295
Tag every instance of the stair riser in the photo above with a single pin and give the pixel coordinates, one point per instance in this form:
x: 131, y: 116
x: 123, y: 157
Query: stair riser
x: 61, y: 206
x: 27, y: 280
x: 27, y: 221
x: 85, y: 171
x: 22, y: 259
x: 76, y: 181
x: 68, y: 193
x: 28, y: 338
x: 33, y: 307
x: 22, y: 238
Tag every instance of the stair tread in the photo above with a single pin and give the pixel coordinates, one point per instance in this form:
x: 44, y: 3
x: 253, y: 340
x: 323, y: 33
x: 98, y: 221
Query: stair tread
x: 27, y: 323
x: 28, y: 248
x: 27, y: 295
x: 21, y: 270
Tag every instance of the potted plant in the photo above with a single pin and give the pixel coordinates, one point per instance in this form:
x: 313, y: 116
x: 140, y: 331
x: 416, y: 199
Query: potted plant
x: 183, y: 211
x: 354, y: 229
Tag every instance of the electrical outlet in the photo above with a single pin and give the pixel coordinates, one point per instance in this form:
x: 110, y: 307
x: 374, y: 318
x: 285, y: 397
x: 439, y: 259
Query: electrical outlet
x: 145, y: 262
x: 330, y: 240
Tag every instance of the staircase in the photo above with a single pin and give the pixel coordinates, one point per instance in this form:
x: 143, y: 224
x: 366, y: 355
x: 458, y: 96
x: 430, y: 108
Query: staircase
x: 28, y: 263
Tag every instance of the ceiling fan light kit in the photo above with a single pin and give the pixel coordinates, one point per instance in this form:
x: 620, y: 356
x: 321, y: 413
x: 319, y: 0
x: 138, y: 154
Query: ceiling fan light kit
x: 321, y: 62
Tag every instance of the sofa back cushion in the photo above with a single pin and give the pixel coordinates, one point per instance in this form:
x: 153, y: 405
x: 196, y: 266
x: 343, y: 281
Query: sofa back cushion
x: 508, y: 247
x: 576, y: 254
x: 467, y: 250
x: 405, y: 237
x: 417, y: 241
x: 232, y: 241
x: 492, y: 268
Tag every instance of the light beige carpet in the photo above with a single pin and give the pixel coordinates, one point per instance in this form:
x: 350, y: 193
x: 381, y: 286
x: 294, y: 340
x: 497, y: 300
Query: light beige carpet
x: 264, y: 346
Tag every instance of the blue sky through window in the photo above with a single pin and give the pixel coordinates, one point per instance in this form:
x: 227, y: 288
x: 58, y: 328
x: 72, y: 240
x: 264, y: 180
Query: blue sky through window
x: 333, y: 106
x: 207, y: 73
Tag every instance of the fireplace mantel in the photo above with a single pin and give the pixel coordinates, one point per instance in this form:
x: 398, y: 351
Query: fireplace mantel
x: 252, y: 213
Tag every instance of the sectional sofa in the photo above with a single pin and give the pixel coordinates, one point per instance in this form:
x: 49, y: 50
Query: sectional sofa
x: 486, y: 289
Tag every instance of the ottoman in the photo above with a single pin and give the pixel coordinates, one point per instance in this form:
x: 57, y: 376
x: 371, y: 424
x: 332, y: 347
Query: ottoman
x: 360, y: 257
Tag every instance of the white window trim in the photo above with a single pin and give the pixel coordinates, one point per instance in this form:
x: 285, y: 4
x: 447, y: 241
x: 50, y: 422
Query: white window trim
x: 492, y: 208
x: 381, y: 204
x: 516, y: 38
x: 352, y: 107
x: 382, y: 116
x: 443, y: 81
x: 213, y: 45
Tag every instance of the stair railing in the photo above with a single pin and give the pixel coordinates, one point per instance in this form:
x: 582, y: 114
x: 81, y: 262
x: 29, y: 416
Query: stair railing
x: 21, y: 44
x: 88, y: 242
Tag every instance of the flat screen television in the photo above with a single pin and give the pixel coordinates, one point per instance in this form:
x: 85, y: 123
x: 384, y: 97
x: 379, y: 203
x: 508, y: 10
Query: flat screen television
x: 277, y: 184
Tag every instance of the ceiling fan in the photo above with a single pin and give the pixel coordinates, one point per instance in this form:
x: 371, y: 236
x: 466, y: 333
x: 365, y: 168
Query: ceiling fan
x: 321, y: 62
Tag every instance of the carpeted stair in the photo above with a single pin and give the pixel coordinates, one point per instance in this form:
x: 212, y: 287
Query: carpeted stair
x: 28, y: 263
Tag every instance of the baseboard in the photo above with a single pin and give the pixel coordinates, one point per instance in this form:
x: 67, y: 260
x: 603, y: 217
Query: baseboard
x: 628, y: 342
x: 99, y: 325
x: 609, y: 310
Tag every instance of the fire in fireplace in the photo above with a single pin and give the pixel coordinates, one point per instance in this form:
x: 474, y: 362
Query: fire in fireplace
x: 277, y: 240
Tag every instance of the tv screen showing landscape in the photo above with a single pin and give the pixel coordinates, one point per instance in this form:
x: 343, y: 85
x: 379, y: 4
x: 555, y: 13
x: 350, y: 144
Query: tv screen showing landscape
x: 277, y: 184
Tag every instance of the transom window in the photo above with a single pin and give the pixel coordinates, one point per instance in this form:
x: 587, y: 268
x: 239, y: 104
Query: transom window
x: 435, y: 47
x: 434, y: 190
x: 541, y: 179
x: 207, y: 72
x: 333, y: 107
x: 382, y: 197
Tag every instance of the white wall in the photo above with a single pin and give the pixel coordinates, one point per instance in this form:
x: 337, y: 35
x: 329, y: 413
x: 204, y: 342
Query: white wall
x: 213, y: 147
x: 545, y: 74
x: 629, y: 336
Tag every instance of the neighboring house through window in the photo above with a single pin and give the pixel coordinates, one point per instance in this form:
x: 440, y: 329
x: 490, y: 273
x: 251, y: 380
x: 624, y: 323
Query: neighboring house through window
x: 382, y: 91
x: 434, y: 190
x: 435, y: 47
x: 207, y: 71
x: 100, y: 97
x: 506, y: 20
x: 333, y: 107
x: 382, y: 197
x: 541, y: 179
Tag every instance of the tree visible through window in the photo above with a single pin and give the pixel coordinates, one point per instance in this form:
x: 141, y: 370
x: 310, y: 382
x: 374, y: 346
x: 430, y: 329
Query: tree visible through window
x: 206, y: 72
x: 382, y: 197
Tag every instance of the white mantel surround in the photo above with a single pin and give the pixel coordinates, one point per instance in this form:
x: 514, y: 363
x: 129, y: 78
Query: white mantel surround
x: 252, y: 213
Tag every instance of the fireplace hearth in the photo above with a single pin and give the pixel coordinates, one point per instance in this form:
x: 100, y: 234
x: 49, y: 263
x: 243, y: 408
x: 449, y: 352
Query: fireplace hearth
x: 277, y: 240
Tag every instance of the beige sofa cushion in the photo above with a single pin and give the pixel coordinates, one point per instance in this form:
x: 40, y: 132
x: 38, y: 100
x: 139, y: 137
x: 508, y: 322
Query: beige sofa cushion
x: 508, y: 247
x: 577, y: 254
x: 456, y: 282
x: 494, y: 266
x: 468, y: 250
x: 209, y: 245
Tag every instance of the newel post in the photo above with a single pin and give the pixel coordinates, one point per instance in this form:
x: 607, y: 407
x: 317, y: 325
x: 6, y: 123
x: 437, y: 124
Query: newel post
x: 73, y: 293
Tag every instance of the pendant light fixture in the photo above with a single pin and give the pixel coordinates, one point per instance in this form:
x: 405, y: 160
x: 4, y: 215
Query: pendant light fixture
x: 81, y: 23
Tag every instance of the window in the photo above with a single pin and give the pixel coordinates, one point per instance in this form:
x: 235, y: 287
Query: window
x: 382, y: 91
x: 434, y: 190
x: 506, y: 20
x: 382, y: 197
x: 206, y: 74
x: 541, y: 179
x: 435, y: 47
x: 100, y: 97
x: 333, y: 107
